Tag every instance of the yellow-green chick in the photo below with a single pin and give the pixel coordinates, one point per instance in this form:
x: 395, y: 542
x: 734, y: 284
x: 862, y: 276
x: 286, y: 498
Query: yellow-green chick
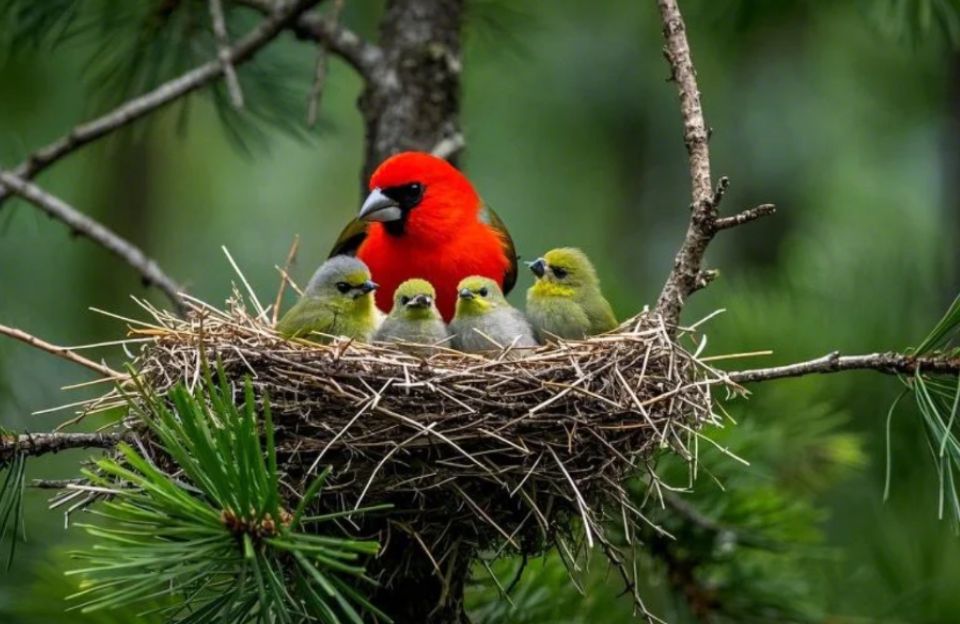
x: 565, y: 301
x: 485, y: 321
x: 414, y: 317
x: 336, y: 302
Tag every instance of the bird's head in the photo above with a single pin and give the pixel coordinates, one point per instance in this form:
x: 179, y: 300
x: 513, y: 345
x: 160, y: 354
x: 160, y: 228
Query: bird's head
x: 563, y: 271
x: 343, y: 281
x: 419, y: 194
x: 415, y: 299
x: 478, y: 295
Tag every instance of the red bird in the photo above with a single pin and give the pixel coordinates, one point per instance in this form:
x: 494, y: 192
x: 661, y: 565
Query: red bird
x: 424, y: 219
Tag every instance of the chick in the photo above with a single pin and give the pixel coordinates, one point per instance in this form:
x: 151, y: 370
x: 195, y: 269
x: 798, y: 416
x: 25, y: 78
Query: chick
x: 414, y: 317
x: 484, y: 321
x: 565, y: 301
x: 336, y: 302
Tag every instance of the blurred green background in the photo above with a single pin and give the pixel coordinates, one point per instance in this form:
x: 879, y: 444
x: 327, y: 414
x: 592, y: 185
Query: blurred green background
x: 844, y: 114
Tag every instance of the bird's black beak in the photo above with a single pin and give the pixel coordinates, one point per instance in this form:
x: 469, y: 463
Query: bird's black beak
x: 368, y: 286
x: 538, y: 266
x: 420, y: 301
x: 379, y: 207
x: 466, y: 293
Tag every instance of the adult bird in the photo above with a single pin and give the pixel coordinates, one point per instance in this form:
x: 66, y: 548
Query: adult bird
x: 424, y: 219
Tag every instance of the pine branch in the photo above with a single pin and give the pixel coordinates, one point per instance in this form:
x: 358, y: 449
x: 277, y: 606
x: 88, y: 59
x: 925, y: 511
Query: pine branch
x: 685, y: 278
x: 134, y: 109
x: 890, y: 363
x: 35, y: 444
x: 82, y: 225
x: 219, y: 23
x: 364, y: 56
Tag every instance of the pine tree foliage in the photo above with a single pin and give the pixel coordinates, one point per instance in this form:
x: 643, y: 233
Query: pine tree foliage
x: 937, y: 400
x: 128, y: 48
x: 209, y: 535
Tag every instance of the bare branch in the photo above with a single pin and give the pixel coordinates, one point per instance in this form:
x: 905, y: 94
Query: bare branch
x: 890, y: 363
x: 449, y: 146
x: 746, y: 216
x: 687, y: 277
x: 320, y: 73
x: 62, y: 352
x: 219, y: 24
x: 169, y: 91
x: 34, y: 444
x: 359, y: 53
x: 683, y: 278
x: 83, y: 225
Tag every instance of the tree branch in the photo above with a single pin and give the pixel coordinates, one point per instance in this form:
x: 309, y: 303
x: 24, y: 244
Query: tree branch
x: 359, y: 53
x: 219, y: 24
x: 686, y: 277
x: 83, y: 225
x: 890, y: 363
x: 751, y: 214
x: 682, y: 279
x: 126, y: 113
x: 62, y: 352
x: 35, y: 444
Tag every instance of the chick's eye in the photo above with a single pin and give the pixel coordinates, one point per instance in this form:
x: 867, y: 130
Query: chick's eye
x: 343, y: 287
x: 559, y: 273
x: 483, y: 292
x: 404, y: 300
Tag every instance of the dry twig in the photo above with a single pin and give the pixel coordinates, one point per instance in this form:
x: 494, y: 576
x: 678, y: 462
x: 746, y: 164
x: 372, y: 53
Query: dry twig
x: 687, y: 276
x: 891, y: 363
x: 82, y: 225
x: 219, y: 22
x: 62, y: 352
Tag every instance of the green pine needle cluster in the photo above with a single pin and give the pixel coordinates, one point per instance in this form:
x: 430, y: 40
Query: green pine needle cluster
x: 937, y: 400
x: 11, y: 500
x: 212, y: 541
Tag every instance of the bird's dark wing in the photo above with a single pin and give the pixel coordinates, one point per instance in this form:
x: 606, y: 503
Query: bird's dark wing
x: 488, y: 216
x: 350, y: 238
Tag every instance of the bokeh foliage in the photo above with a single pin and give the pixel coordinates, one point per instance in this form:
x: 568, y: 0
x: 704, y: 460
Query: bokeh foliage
x: 844, y: 114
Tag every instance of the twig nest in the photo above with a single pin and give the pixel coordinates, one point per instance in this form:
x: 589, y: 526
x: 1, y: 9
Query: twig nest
x: 500, y: 451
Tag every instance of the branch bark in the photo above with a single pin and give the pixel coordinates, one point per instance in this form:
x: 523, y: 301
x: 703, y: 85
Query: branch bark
x: 357, y: 52
x: 34, y: 444
x: 686, y: 276
x: 82, y: 225
x: 890, y: 363
x: 62, y: 352
x: 130, y: 111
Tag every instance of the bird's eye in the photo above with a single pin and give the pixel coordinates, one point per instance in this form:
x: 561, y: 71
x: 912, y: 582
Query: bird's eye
x: 412, y: 194
x: 404, y: 300
x: 343, y: 287
x: 483, y: 292
x: 559, y: 273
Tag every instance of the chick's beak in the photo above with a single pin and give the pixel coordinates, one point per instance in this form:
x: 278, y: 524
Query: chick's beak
x: 466, y: 293
x: 420, y: 301
x: 538, y: 266
x: 369, y: 286
x: 379, y: 207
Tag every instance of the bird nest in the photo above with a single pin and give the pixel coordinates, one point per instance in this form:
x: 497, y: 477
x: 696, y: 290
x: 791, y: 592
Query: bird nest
x: 498, y: 453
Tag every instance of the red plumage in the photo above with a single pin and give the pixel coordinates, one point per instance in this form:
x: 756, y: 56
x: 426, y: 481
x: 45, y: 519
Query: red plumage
x: 446, y: 236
